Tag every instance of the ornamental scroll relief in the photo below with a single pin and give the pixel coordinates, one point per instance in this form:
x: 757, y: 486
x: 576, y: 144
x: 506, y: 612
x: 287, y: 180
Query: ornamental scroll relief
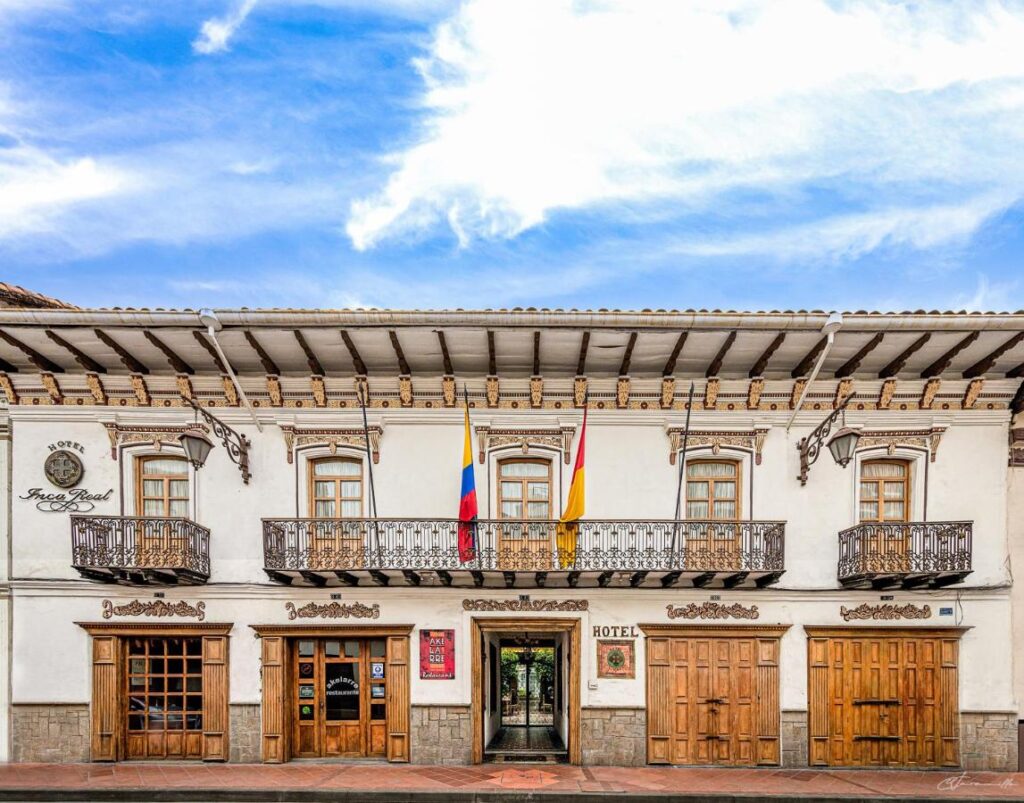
x: 334, y: 610
x: 713, y: 610
x: 525, y: 605
x: 553, y: 437
x: 295, y: 437
x: 157, y: 608
x: 752, y: 440
x: 120, y: 434
x: 927, y: 439
x: 888, y: 611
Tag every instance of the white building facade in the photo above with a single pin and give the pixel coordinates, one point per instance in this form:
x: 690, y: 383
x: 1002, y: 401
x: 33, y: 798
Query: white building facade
x: 304, y: 596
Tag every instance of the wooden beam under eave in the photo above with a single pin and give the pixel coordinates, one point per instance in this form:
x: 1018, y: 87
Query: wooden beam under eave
x: 673, y: 358
x: 206, y: 344
x: 1017, y: 404
x: 353, y: 352
x: 716, y: 364
x: 268, y: 364
x: 581, y: 363
x: 403, y: 364
x: 83, y: 359
x: 311, y: 359
x: 38, y: 360
x: 536, y: 353
x: 446, y: 357
x: 492, y: 359
x: 804, y: 366
x: 7, y: 367
x: 627, y: 355
x: 177, y: 363
x: 758, y: 368
x: 1016, y: 373
x: 985, y: 364
x: 127, y: 358
x: 851, y: 365
x: 897, y: 364
x: 943, y: 362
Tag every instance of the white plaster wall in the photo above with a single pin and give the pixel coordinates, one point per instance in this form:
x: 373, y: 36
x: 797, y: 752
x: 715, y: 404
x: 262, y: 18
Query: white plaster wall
x: 53, y: 654
x: 1015, y: 533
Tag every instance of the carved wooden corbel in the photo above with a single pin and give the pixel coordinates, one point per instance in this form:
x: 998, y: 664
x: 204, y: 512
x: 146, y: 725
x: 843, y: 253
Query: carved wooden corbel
x: 754, y: 393
x: 319, y: 390
x: 886, y: 393
x: 448, y: 390
x: 140, y: 389
x: 52, y: 388
x: 184, y: 385
x: 931, y: 387
x: 622, y: 392
x: 8, y: 389
x: 95, y: 385
x: 536, y: 391
x: 230, y: 391
x: 493, y: 391
x: 668, y: 391
x: 405, y: 390
x: 972, y: 393
x: 711, y: 393
x: 579, y: 390
x: 274, y: 390
x: 843, y: 391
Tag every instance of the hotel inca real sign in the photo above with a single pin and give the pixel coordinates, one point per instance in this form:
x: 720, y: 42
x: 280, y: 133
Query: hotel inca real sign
x: 64, y: 469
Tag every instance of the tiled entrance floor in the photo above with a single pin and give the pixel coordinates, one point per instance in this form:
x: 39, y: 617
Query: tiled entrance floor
x: 341, y: 781
x: 536, y: 738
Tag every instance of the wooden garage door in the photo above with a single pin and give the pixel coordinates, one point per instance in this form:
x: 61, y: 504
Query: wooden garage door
x: 713, y: 700
x: 884, y: 699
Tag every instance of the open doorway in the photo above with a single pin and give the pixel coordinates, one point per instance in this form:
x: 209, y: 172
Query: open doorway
x: 526, y: 703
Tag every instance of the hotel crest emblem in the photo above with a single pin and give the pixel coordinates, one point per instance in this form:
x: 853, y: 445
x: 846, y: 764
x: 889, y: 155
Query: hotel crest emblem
x: 63, y: 468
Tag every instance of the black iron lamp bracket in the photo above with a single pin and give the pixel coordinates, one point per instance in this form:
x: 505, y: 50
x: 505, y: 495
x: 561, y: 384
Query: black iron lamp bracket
x: 236, y: 444
x: 810, y: 447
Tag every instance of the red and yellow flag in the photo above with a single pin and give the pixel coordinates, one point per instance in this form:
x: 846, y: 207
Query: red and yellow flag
x: 568, y: 526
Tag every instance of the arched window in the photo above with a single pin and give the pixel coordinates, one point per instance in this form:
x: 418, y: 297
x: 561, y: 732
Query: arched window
x: 336, y: 488
x: 713, y: 490
x: 524, y: 489
x: 884, y: 491
x: 161, y: 486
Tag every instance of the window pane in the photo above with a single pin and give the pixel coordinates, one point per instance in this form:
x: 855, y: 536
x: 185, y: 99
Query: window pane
x: 351, y: 649
x: 165, y: 465
x: 378, y: 648
x: 537, y: 510
x: 352, y: 489
x: 725, y: 510
x: 512, y: 510
x: 179, y: 507
x: 876, y: 470
x: 697, y: 490
x: 324, y: 509
x: 725, y: 490
x: 152, y: 507
x: 306, y: 648
x: 351, y: 510
x: 323, y: 489
x: 511, y: 490
x: 696, y: 510
x: 894, y: 511
x: 179, y: 488
x: 869, y: 490
x: 332, y: 649
x: 724, y: 469
x: 538, y: 490
x: 337, y: 468
x: 152, y: 487
x: 894, y: 490
x: 519, y: 469
x: 869, y: 511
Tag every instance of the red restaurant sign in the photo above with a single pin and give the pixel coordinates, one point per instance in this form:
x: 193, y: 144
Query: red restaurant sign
x: 437, y: 654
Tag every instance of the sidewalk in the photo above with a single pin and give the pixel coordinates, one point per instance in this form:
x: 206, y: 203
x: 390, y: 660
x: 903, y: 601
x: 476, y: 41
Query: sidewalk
x: 425, y: 784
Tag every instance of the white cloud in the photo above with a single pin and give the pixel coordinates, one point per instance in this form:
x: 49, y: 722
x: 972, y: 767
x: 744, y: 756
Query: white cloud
x: 215, y: 33
x: 987, y: 297
x: 533, y: 106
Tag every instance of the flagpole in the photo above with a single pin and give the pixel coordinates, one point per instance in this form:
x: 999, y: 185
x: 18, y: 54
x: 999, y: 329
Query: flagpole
x: 369, y: 468
x: 682, y: 469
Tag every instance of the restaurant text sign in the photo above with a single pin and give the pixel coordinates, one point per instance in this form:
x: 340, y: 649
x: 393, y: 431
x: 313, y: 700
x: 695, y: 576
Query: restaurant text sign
x: 437, y: 654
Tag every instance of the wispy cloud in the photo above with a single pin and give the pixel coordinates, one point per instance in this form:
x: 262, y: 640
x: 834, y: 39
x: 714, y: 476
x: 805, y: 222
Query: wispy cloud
x: 988, y: 296
x: 906, y: 113
x: 215, y: 33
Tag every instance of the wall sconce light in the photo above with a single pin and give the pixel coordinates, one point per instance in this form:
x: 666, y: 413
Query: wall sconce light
x: 842, y: 445
x: 197, y: 445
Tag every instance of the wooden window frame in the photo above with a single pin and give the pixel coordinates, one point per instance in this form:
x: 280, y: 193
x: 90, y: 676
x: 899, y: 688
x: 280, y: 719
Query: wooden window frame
x: 737, y: 481
x: 879, y: 482
x: 141, y: 475
x: 312, y: 479
x: 524, y: 499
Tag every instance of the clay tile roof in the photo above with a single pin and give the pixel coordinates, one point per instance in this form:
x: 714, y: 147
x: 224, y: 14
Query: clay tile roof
x: 13, y: 296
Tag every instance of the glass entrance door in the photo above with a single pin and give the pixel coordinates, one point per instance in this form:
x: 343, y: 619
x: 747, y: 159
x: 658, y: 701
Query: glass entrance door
x: 339, y: 698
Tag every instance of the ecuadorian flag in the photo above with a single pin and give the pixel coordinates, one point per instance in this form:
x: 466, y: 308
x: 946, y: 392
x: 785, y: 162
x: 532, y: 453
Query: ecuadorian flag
x: 467, y: 500
x: 568, y: 525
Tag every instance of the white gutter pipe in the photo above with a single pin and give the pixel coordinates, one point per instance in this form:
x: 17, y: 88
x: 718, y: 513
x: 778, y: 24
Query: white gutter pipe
x: 832, y: 325
x: 209, y: 318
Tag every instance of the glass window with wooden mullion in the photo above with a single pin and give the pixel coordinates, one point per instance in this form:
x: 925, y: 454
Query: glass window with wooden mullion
x: 162, y: 487
x: 336, y: 488
x: 524, y: 489
x: 884, y: 490
x: 712, y: 490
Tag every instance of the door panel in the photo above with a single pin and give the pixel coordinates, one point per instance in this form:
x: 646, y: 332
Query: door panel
x: 721, y: 701
x: 878, y: 701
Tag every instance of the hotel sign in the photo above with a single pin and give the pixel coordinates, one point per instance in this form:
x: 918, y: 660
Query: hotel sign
x: 437, y: 654
x: 64, y: 469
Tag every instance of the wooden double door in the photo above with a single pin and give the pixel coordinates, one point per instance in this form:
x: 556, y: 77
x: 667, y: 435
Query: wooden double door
x: 884, y: 699
x: 713, y: 700
x: 339, y: 690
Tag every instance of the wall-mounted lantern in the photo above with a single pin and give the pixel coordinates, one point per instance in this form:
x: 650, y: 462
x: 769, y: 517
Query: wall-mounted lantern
x: 197, y: 445
x: 842, y: 445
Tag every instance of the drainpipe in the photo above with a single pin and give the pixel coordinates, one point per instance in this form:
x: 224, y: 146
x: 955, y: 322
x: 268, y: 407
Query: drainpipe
x: 212, y: 323
x: 832, y: 325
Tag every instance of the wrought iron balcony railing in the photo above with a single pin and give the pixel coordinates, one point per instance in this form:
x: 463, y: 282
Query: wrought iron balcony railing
x: 523, y: 553
x: 916, y: 553
x: 140, y: 549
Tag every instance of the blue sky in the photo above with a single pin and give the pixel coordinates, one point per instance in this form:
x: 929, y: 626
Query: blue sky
x: 563, y: 153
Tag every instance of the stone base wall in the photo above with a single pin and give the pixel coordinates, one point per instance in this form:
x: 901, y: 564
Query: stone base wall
x: 246, y: 725
x: 794, y: 738
x: 441, y: 734
x: 50, y: 733
x: 614, y: 736
x: 988, y: 740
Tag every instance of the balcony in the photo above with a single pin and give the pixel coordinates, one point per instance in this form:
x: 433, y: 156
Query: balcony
x: 908, y: 555
x: 140, y: 550
x: 520, y: 554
